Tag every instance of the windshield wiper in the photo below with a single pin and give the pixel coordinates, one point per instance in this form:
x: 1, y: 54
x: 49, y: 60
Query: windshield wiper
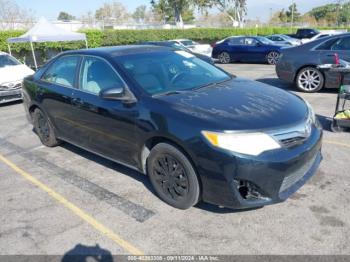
x: 171, y: 92
x: 212, y: 84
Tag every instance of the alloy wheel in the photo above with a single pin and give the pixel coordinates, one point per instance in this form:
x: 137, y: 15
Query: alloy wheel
x: 170, y: 177
x: 272, y: 57
x: 224, y: 58
x: 310, y: 80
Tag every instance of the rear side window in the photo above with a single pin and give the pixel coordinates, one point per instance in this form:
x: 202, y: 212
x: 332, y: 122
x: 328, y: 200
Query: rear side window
x: 62, y: 71
x: 97, y: 75
x: 327, y: 45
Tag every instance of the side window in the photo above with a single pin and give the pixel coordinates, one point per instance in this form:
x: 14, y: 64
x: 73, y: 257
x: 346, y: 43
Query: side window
x: 250, y: 41
x: 278, y: 38
x: 235, y: 41
x: 342, y: 44
x: 327, y: 45
x: 62, y: 71
x: 96, y: 75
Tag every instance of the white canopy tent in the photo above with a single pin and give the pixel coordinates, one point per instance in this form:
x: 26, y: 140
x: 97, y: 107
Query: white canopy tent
x: 44, y: 31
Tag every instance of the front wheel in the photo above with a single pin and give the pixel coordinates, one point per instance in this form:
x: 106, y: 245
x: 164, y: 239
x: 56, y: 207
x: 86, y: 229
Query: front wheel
x: 44, y: 129
x: 272, y: 57
x: 173, y: 176
x: 310, y: 80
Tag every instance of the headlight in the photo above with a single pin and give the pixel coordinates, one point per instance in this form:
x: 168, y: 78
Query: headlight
x: 245, y: 143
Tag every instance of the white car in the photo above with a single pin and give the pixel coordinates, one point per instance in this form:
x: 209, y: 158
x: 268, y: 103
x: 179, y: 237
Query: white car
x: 12, y: 73
x: 198, y: 48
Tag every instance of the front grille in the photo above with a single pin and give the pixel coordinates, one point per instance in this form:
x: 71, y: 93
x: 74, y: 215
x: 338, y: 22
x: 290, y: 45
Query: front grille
x: 10, y: 87
x: 294, y: 177
x: 295, y: 135
x: 292, y: 141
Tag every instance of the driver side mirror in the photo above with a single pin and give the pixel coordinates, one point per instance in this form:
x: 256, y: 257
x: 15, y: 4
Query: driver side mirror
x: 116, y: 93
x: 258, y: 44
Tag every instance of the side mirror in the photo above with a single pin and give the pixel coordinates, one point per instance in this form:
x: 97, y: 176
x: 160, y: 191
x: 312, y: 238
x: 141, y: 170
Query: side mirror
x: 258, y: 44
x: 116, y: 93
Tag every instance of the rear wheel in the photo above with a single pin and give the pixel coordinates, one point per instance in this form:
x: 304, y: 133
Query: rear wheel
x: 310, y: 80
x: 44, y: 129
x: 224, y: 58
x: 173, y: 176
x: 272, y: 57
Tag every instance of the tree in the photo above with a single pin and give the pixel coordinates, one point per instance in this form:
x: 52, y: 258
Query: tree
x: 179, y: 11
x: 12, y: 16
x: 140, y: 13
x: 235, y: 10
x: 63, y: 16
x: 112, y: 12
x: 292, y: 13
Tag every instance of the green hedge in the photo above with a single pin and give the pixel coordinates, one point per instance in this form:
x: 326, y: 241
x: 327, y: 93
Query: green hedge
x: 119, y: 37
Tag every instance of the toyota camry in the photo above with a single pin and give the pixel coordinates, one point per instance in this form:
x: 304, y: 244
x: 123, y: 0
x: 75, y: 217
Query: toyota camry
x: 199, y: 133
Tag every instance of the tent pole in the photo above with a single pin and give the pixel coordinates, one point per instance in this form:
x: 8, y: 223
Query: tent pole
x: 8, y: 45
x: 86, y: 43
x: 35, y: 64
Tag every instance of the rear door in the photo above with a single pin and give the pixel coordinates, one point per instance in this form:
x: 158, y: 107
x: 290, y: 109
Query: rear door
x: 55, y: 91
x: 235, y: 46
x: 106, y: 127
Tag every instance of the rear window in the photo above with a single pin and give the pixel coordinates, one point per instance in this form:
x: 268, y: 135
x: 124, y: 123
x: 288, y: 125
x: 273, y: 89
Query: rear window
x: 327, y: 45
x: 6, y: 60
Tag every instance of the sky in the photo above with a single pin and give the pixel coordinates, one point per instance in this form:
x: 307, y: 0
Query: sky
x: 256, y: 8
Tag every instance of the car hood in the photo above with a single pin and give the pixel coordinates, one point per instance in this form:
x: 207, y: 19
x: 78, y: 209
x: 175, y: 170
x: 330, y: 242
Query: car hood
x: 240, y: 104
x: 14, y: 73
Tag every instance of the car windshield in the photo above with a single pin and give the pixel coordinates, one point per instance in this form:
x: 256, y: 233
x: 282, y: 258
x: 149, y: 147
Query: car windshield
x: 187, y: 42
x: 6, y: 60
x: 164, y: 72
x: 265, y: 40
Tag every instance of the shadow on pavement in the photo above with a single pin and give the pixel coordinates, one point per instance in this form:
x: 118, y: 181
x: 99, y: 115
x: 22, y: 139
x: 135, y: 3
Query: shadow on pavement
x: 81, y: 253
x: 325, y: 122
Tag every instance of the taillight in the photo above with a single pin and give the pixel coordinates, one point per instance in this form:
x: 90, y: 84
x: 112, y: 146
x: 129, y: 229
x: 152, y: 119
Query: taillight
x: 336, y: 59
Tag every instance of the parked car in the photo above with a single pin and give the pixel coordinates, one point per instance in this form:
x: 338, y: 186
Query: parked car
x: 177, y: 46
x: 12, y: 73
x: 284, y: 39
x: 198, y: 132
x: 322, y: 34
x: 299, y: 64
x: 204, y: 49
x: 303, y: 33
x: 247, y: 49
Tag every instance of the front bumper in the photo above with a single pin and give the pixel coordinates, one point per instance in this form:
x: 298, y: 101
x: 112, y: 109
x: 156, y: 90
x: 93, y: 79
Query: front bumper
x: 272, y: 177
x: 11, y: 95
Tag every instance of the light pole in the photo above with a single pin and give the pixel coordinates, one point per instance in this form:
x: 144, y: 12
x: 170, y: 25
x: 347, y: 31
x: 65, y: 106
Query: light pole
x: 292, y: 20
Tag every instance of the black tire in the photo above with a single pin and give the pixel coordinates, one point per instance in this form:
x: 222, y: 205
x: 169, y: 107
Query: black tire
x: 44, y: 129
x: 272, y: 57
x: 224, y: 58
x: 173, y: 176
x: 312, y: 85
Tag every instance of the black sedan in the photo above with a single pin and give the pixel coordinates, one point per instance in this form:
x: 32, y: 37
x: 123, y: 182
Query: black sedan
x: 198, y: 132
x: 299, y: 64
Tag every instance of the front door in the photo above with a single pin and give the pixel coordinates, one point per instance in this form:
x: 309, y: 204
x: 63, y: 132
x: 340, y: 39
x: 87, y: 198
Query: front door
x: 107, y: 127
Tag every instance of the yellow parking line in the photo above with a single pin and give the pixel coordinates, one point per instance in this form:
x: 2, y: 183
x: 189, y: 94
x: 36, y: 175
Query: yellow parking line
x: 336, y: 143
x: 76, y: 210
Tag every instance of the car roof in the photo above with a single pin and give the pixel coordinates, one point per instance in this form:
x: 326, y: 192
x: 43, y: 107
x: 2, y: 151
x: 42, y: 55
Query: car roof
x: 114, y: 51
x: 3, y: 53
